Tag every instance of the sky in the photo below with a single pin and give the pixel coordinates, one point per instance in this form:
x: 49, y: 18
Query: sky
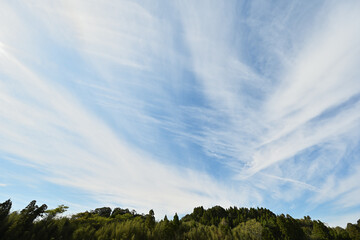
x: 170, y: 105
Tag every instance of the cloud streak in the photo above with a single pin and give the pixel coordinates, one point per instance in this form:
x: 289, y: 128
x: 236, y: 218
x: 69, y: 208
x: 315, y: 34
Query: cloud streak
x: 46, y: 126
x: 310, y: 104
x: 222, y: 98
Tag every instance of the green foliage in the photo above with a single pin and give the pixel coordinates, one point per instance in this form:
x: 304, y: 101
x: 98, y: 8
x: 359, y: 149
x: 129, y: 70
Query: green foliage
x: 4, y: 214
x: 341, y: 234
x: 119, y: 211
x: 320, y: 231
x: 103, y: 212
x: 37, y: 223
x: 290, y: 228
x: 4, y: 210
x: 176, y: 221
x: 150, y: 220
x: 52, y: 213
x: 354, y: 230
x: 251, y: 230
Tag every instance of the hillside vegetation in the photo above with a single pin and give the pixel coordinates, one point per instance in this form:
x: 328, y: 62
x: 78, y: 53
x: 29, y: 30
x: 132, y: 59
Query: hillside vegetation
x: 37, y: 222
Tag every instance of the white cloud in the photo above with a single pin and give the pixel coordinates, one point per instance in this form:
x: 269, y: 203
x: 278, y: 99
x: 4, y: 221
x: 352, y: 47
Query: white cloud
x: 319, y: 73
x: 45, y: 125
x: 77, y: 149
x: 261, y: 112
x: 324, y: 75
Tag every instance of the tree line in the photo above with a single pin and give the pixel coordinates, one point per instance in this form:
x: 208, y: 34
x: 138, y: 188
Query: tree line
x: 37, y: 222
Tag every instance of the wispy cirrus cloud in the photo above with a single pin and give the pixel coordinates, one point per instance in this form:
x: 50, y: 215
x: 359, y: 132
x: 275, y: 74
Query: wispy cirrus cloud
x: 44, y: 124
x: 50, y: 129
x: 262, y: 116
x: 262, y: 98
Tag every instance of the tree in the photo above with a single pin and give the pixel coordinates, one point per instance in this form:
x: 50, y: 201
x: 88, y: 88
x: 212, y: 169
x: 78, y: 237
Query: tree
x: 103, y: 212
x: 34, y: 222
x: 5, y: 209
x: 150, y: 220
x: 164, y: 229
x: 290, y: 228
x: 52, y: 213
x: 4, y: 213
x: 31, y: 212
x: 251, y: 230
x: 354, y: 231
x: 224, y: 226
x: 119, y: 211
x: 341, y: 234
x: 21, y: 224
x: 320, y: 231
x: 176, y: 221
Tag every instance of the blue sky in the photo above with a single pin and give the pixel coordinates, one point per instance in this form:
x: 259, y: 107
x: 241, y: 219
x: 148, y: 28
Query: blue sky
x: 171, y: 105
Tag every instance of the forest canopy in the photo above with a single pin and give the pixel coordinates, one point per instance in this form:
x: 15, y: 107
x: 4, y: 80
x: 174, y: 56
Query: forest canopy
x: 36, y: 222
